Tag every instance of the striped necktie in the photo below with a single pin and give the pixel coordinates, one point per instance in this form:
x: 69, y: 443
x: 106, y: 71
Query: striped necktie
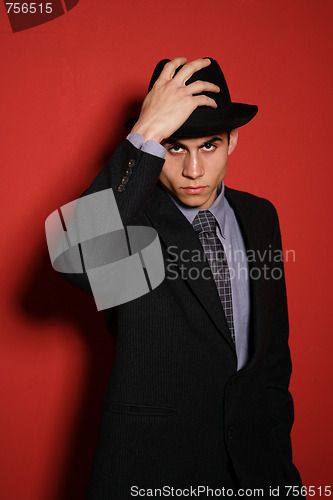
x: 204, y: 224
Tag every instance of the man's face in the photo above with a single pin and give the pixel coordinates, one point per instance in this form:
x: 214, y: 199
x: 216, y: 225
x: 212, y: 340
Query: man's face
x: 194, y: 167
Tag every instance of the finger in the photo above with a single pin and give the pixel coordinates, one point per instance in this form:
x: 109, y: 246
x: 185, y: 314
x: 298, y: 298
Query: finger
x: 201, y: 86
x: 187, y: 71
x: 170, y: 67
x: 203, y: 100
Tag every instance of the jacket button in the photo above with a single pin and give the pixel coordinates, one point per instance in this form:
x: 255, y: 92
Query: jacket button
x: 131, y: 163
x: 124, y: 180
x: 121, y: 188
x: 129, y: 171
x: 230, y: 432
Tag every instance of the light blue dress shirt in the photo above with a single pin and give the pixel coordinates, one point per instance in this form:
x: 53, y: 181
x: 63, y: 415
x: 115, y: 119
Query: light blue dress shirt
x: 230, y: 235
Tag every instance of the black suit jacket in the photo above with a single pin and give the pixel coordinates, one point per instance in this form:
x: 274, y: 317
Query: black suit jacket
x: 176, y: 410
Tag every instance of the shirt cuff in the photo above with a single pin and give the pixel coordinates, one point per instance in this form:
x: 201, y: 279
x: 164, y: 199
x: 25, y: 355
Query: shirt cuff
x: 136, y: 140
x: 152, y: 147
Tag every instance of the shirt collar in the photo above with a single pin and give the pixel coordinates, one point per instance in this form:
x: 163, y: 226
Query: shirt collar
x: 217, y: 208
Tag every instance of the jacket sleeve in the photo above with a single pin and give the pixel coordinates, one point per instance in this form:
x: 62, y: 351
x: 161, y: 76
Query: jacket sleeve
x: 279, y: 367
x: 141, y: 171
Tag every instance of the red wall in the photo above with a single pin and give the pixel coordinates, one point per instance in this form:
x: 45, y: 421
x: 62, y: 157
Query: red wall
x: 66, y: 87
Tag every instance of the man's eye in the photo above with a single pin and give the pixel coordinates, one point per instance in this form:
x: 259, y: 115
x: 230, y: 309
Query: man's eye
x: 176, y: 149
x: 208, y: 147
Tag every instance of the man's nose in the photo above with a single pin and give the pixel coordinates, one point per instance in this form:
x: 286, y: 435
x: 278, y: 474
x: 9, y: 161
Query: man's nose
x: 193, y: 166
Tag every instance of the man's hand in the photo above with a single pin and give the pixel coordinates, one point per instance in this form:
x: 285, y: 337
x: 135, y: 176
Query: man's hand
x: 170, y: 102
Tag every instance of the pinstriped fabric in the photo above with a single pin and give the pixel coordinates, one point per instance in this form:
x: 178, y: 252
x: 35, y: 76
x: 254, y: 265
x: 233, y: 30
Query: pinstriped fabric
x: 204, y: 224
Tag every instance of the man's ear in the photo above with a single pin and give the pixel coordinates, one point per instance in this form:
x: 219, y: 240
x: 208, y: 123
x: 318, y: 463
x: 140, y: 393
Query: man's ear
x: 233, y: 140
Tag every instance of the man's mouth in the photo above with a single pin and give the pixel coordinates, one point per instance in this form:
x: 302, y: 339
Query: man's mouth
x: 194, y: 189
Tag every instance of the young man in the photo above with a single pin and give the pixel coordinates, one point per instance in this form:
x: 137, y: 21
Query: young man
x: 198, y: 397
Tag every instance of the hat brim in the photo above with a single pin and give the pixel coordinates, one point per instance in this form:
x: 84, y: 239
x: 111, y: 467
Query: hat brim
x: 206, y: 120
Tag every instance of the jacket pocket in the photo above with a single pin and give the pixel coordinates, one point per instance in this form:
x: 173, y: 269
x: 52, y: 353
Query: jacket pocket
x: 138, y: 409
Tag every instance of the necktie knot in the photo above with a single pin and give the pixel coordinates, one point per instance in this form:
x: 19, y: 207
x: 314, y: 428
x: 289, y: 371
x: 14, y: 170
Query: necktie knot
x: 204, y: 222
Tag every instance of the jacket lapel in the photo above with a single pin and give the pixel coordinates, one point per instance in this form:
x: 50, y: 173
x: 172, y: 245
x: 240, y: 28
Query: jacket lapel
x: 178, y: 235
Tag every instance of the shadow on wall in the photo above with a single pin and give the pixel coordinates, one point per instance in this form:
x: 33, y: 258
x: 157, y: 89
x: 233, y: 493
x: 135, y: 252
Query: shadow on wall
x: 48, y: 297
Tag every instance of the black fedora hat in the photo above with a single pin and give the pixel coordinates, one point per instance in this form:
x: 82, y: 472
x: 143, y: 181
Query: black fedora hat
x: 206, y: 120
